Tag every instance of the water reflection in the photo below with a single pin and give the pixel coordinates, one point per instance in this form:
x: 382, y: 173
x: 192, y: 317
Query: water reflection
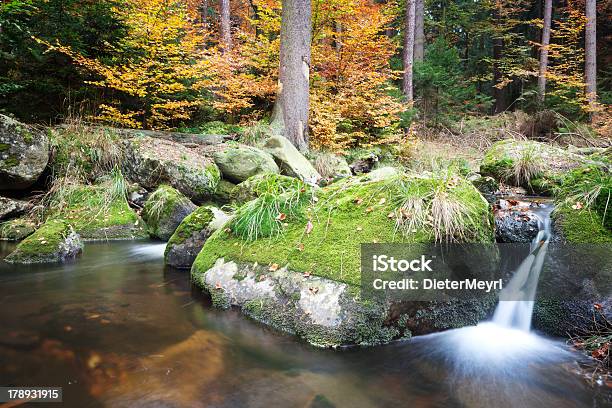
x: 117, y: 330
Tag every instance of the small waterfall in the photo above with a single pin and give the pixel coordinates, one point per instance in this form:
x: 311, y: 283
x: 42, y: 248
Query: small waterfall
x: 518, y: 297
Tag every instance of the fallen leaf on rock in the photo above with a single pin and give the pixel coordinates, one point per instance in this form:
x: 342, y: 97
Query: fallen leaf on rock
x: 218, y: 286
x: 306, y: 274
x: 314, y: 290
x: 273, y: 267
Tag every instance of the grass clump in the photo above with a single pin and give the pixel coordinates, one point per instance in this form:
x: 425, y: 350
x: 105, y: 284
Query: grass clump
x: 596, y: 341
x: 278, y: 201
x: 526, y: 167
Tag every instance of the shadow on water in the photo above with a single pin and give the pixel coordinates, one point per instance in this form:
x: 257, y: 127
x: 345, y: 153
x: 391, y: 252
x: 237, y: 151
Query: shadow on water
x: 116, y: 329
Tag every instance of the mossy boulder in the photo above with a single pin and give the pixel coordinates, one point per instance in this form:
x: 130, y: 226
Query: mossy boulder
x: 24, y: 154
x: 331, y: 166
x: 533, y: 165
x: 190, y: 236
x: 164, y: 211
x: 10, y: 208
x: 238, y: 163
x: 321, y: 237
x: 290, y: 160
x: 223, y: 194
x: 17, y: 229
x: 97, y: 214
x: 151, y: 162
x: 55, y: 241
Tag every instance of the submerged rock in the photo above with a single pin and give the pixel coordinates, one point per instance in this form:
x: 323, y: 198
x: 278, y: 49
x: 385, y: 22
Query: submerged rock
x: 24, y: 154
x: 55, y: 241
x: 238, y: 163
x: 190, y: 236
x: 10, y: 208
x: 270, y: 278
x: 151, y: 162
x: 290, y: 160
x: 16, y: 230
x: 164, y: 211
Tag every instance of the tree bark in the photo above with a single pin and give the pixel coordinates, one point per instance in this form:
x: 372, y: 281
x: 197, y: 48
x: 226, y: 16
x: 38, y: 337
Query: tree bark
x: 590, y: 52
x: 225, y: 25
x: 419, y: 31
x: 499, y: 94
x: 407, y: 86
x: 290, y: 115
x: 544, y: 50
x: 204, y: 13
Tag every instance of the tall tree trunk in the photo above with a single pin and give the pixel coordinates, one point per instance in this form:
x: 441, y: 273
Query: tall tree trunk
x: 544, y: 50
x: 290, y: 115
x: 407, y: 86
x: 419, y: 31
x: 204, y: 13
x: 225, y: 26
x: 590, y: 53
x: 499, y: 94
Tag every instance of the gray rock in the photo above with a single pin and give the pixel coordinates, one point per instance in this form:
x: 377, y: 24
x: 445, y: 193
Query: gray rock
x: 331, y: 166
x: 241, y: 162
x: 189, y: 238
x: 515, y: 222
x: 10, y: 208
x: 164, y: 211
x: 151, y: 162
x: 290, y: 160
x: 24, y: 154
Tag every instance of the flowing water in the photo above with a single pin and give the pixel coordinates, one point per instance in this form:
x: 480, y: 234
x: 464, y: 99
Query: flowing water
x: 117, y: 329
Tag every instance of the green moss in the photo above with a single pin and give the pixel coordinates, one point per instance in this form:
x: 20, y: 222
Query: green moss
x: 343, y: 216
x: 4, y: 147
x: 17, y: 229
x: 96, y: 215
x: 42, y: 246
x: 10, y: 162
x: 259, y: 184
x: 193, y: 223
x: 581, y: 225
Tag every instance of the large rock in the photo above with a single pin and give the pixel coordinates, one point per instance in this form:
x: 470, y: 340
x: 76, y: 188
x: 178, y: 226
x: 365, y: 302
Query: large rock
x: 533, y: 165
x: 515, y: 221
x: 238, y: 163
x: 320, y: 235
x: 24, y: 154
x: 164, y: 211
x: 10, y: 208
x: 98, y: 215
x: 290, y: 160
x: 331, y: 166
x: 151, y: 162
x: 54, y: 242
x: 190, y: 236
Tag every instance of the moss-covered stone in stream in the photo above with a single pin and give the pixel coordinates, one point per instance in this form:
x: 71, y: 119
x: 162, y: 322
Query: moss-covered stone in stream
x: 342, y: 217
x: 54, y: 241
x: 188, y: 239
x: 534, y: 165
x: 325, y: 243
x: 578, y: 226
x: 97, y: 214
x: 164, y: 210
x: 17, y: 229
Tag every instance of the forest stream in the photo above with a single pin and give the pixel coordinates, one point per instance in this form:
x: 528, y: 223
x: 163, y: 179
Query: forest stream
x: 115, y: 328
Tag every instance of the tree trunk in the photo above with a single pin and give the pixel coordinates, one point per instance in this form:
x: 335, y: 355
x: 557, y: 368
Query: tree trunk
x: 498, y: 52
x: 290, y: 115
x: 204, y: 13
x: 407, y: 87
x: 544, y: 50
x: 590, y: 52
x: 225, y: 25
x: 419, y: 31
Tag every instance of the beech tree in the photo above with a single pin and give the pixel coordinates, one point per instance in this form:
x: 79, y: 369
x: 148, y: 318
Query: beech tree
x: 225, y: 26
x: 407, y: 87
x: 590, y: 52
x: 544, y: 50
x: 290, y: 115
x: 419, y: 31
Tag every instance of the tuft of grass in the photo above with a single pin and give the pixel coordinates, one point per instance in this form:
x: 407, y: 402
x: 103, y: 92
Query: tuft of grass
x: 265, y: 216
x: 436, y: 204
x: 526, y: 167
x: 597, y: 341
